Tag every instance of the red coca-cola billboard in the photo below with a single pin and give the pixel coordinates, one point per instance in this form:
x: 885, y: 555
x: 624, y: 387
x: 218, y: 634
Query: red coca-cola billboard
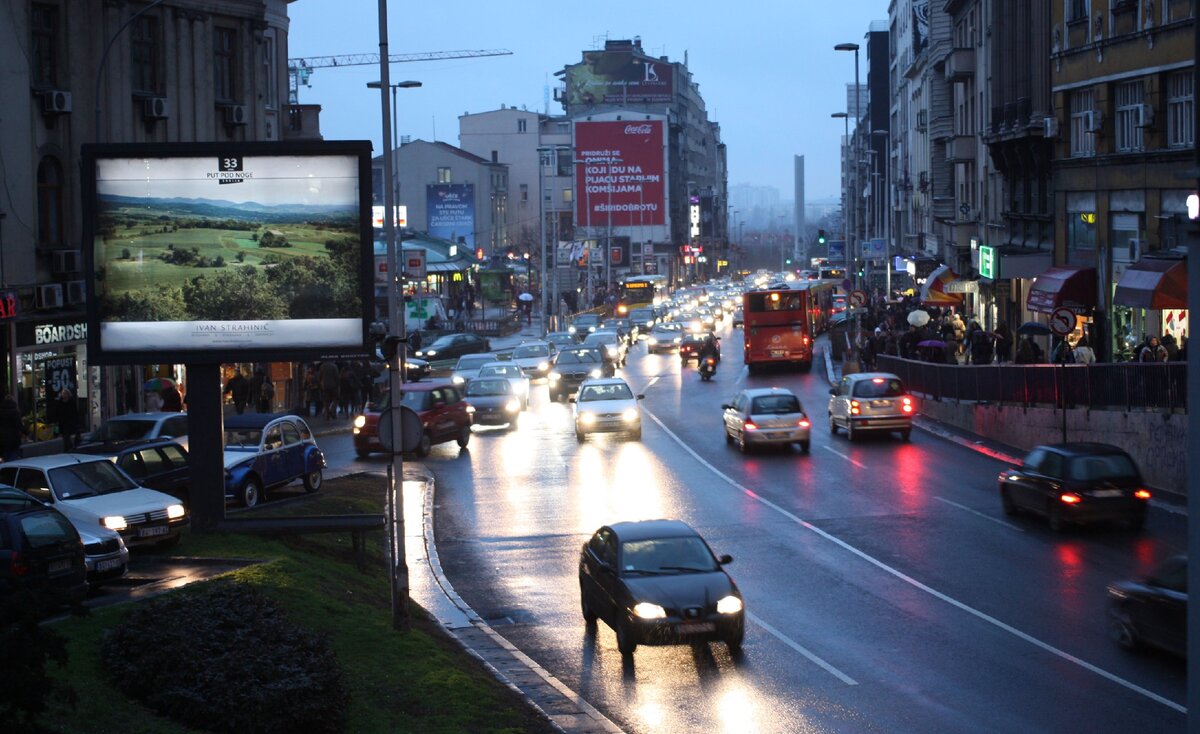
x: 621, y: 178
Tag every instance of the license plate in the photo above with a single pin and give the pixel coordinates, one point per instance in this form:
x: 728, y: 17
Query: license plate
x: 153, y: 531
x: 109, y: 564
x: 691, y: 628
x: 881, y: 404
x: 778, y: 352
x: 59, y: 566
x: 1107, y: 493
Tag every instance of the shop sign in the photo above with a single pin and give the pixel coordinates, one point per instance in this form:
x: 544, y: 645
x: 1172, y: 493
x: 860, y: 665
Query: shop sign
x: 8, y: 305
x: 59, y: 374
x: 987, y: 262
x: 30, y: 334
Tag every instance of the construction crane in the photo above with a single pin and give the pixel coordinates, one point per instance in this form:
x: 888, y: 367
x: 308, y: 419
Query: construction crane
x: 299, y: 70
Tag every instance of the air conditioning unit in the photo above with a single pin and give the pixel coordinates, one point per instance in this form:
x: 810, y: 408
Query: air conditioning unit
x: 50, y: 295
x: 156, y: 108
x: 68, y: 261
x: 1093, y: 121
x: 76, y: 292
x: 236, y: 114
x: 1050, y: 127
x: 56, y: 102
x: 1145, y: 116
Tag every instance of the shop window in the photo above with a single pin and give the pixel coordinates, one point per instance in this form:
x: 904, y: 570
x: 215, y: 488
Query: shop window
x: 1180, y: 98
x: 1081, y: 235
x: 50, y: 203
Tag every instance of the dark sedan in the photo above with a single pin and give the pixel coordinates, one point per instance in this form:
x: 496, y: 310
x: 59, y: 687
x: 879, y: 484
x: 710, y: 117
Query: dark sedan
x: 158, y: 464
x: 1076, y: 483
x: 494, y: 401
x: 571, y: 367
x: 453, y: 346
x: 1152, y: 611
x: 656, y: 582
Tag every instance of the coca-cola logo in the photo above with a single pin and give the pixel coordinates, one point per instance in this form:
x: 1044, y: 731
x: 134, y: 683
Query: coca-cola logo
x: 638, y: 129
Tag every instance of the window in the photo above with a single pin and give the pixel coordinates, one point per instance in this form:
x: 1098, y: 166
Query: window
x: 50, y: 203
x: 1078, y: 9
x: 44, y: 52
x: 1123, y: 237
x: 225, y: 65
x: 1128, y: 131
x: 524, y: 193
x: 1083, y: 142
x: 568, y: 195
x: 495, y: 156
x: 565, y: 160
x: 1052, y: 465
x: 521, y: 125
x: 271, y: 98
x: 1181, y: 132
x: 144, y: 53
x: 443, y: 174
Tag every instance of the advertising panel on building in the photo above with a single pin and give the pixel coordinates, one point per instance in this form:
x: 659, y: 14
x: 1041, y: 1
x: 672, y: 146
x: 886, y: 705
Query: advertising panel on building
x: 226, y: 252
x: 618, y: 77
x: 450, y: 212
x: 622, y: 173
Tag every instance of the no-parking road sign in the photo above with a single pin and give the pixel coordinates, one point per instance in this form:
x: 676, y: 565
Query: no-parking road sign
x: 1062, y: 321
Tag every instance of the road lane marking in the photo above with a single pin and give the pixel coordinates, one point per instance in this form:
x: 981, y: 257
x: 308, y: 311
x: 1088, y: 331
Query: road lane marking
x: 1045, y: 646
x: 802, y: 650
x: 652, y: 381
x: 860, y: 465
x: 1008, y: 525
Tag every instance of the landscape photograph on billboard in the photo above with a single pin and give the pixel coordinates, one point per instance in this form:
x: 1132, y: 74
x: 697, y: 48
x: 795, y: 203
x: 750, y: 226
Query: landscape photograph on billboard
x: 228, y: 251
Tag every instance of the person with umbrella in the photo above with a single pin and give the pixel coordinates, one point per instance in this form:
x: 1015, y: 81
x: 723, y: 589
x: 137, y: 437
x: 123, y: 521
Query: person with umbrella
x: 981, y: 344
x: 526, y: 299
x: 172, y: 398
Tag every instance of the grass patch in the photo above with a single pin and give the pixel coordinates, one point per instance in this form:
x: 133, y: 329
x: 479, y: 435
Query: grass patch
x: 419, y: 681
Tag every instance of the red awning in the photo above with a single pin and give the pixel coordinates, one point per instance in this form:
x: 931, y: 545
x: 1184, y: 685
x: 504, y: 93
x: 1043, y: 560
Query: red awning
x: 1066, y: 285
x: 1154, y: 282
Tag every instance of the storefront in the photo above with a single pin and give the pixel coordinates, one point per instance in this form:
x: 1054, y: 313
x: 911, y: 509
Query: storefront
x: 1151, y: 300
x: 48, y: 357
x: 1069, y: 286
x: 1006, y: 276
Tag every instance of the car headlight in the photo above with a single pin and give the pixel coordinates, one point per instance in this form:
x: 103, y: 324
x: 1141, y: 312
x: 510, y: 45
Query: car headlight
x: 360, y: 421
x: 114, y: 522
x: 678, y: 339
x: 543, y: 366
x: 554, y: 377
x: 630, y: 415
x: 429, y: 353
x: 458, y: 379
x: 611, y: 349
x: 595, y: 373
x: 570, y: 329
x: 591, y: 328
x: 174, y: 512
x: 652, y: 342
x: 729, y: 605
x: 512, y: 406
x: 587, y: 418
x: 646, y: 610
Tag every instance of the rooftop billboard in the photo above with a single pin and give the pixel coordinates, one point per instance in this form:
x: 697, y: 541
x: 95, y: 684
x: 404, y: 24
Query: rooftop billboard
x: 621, y: 173
x: 615, y: 77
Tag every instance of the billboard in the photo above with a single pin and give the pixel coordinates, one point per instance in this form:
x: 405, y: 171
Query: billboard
x: 450, y: 212
x: 621, y: 174
x: 221, y: 252
x: 618, y: 77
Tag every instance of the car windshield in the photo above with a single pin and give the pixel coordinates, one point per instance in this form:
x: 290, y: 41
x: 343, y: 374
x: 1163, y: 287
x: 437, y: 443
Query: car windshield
x: 473, y: 363
x: 1109, y: 466
x: 242, y: 438
x: 588, y: 357
x: 480, y: 388
x: 589, y: 319
x: 641, y: 314
x: 531, y: 350
x: 879, y: 387
x: 667, y: 556
x: 500, y: 370
x: 441, y: 343
x: 76, y: 481
x: 123, y: 430
x: 616, y: 391
x: 774, y: 405
x: 607, y: 337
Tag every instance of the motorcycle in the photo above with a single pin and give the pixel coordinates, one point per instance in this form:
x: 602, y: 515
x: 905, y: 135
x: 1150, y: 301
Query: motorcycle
x: 707, y: 368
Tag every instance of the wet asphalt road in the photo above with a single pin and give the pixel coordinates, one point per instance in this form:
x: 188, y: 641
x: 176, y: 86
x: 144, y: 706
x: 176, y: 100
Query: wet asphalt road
x: 886, y: 590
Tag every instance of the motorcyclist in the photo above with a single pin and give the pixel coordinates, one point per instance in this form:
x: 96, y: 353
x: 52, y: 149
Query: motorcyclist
x: 710, y: 348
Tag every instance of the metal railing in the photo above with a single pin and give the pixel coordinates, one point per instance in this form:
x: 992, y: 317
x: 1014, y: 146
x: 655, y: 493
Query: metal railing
x: 1132, y: 386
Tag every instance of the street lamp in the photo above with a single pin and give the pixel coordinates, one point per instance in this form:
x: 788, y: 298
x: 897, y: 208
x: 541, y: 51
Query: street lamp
x: 885, y: 215
x: 857, y: 116
x: 395, y: 128
x: 846, y: 186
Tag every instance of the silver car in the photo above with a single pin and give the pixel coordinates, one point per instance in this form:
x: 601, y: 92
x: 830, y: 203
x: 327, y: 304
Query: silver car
x: 607, y: 405
x: 871, y: 401
x: 766, y: 416
x: 467, y: 367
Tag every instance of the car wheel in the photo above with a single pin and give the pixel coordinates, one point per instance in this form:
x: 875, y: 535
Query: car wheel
x: 464, y: 437
x: 850, y: 430
x: 589, y: 617
x: 742, y: 445
x: 1137, y: 522
x: 312, y: 481
x: 906, y: 434
x: 728, y: 437
x: 1120, y: 628
x: 636, y: 434
x: 362, y: 453
x: 1054, y: 517
x: 804, y: 446
x: 734, y: 641
x: 579, y: 436
x: 832, y: 426
x: 251, y: 493
x: 1006, y: 501
x: 424, y: 446
x: 172, y: 541
x: 626, y: 639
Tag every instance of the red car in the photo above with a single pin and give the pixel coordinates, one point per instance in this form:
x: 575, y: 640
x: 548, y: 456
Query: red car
x: 444, y: 415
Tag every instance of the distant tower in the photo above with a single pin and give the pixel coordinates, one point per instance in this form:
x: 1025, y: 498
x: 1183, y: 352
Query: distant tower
x: 798, y: 249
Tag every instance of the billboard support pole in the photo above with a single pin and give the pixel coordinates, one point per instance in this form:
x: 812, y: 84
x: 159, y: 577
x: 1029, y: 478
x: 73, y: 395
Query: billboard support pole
x: 395, y: 490
x: 205, y: 446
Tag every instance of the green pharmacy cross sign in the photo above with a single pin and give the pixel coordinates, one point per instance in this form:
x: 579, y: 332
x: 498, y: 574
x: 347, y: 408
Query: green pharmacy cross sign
x: 987, y: 262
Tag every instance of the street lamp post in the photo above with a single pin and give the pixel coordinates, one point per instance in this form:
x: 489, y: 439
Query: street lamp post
x: 883, y: 225
x: 854, y: 143
x: 587, y: 273
x: 846, y: 191
x: 395, y: 128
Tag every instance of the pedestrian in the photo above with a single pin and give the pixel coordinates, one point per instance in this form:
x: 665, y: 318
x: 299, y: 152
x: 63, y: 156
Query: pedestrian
x: 1084, y: 354
x: 1004, y: 343
x: 66, y: 414
x: 266, y: 396
x: 154, y: 401
x: 414, y: 340
x: 256, y: 382
x: 239, y: 388
x: 1025, y: 353
x: 1153, y: 351
x: 1063, y: 353
x: 1168, y: 342
x: 981, y: 345
x: 12, y: 431
x: 312, y: 392
x: 348, y: 389
x: 172, y: 399
x: 330, y: 378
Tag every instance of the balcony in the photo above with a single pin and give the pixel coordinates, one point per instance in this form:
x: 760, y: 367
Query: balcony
x: 961, y: 148
x: 960, y: 64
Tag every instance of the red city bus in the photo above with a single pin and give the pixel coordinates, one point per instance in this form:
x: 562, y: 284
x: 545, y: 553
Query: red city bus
x: 781, y: 323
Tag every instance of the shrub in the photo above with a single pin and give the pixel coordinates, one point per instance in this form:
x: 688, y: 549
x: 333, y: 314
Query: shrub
x: 226, y: 659
x: 26, y: 647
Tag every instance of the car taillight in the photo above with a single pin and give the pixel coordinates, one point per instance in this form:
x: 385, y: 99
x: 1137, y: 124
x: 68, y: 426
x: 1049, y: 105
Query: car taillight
x: 854, y: 407
x: 1068, y: 498
x: 749, y: 426
x: 804, y: 423
x: 906, y: 405
x: 18, y: 566
x: 1142, y: 494
x: 806, y: 340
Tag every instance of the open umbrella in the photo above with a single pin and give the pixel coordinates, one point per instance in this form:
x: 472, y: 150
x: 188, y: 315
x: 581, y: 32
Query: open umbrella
x: 525, y: 297
x: 918, y: 318
x: 1033, y: 328
x: 158, y: 384
x: 932, y: 343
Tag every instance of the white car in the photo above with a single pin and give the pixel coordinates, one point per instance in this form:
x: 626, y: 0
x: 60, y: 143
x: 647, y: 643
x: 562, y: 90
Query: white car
x: 92, y: 491
x: 467, y: 367
x: 533, y: 358
x: 141, y: 427
x: 607, y: 405
x: 512, y: 373
x: 871, y: 401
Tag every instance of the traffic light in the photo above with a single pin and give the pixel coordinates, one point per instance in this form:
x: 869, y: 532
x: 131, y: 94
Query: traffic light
x: 787, y: 261
x: 478, y: 253
x: 820, y: 236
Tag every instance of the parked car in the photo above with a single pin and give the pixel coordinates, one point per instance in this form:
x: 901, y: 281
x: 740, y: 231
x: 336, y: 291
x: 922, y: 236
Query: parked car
x: 493, y: 402
x: 1076, y: 483
x: 571, y: 367
x: 656, y: 582
x: 104, y: 554
x: 533, y: 358
x: 1152, y: 611
x: 452, y: 346
x: 766, y: 416
x: 438, y: 404
x: 584, y: 324
x: 514, y: 375
x: 39, y: 548
x: 264, y: 451
x: 467, y: 367
x: 159, y: 464
x: 91, y: 490
x: 139, y: 427
x: 871, y: 401
x: 607, y: 405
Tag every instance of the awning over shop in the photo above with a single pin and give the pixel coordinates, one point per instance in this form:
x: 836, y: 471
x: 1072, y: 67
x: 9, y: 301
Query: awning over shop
x: 1066, y: 285
x: 934, y: 293
x: 1154, y: 282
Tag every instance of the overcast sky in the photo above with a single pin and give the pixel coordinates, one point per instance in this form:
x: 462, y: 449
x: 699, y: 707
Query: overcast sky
x: 766, y: 68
